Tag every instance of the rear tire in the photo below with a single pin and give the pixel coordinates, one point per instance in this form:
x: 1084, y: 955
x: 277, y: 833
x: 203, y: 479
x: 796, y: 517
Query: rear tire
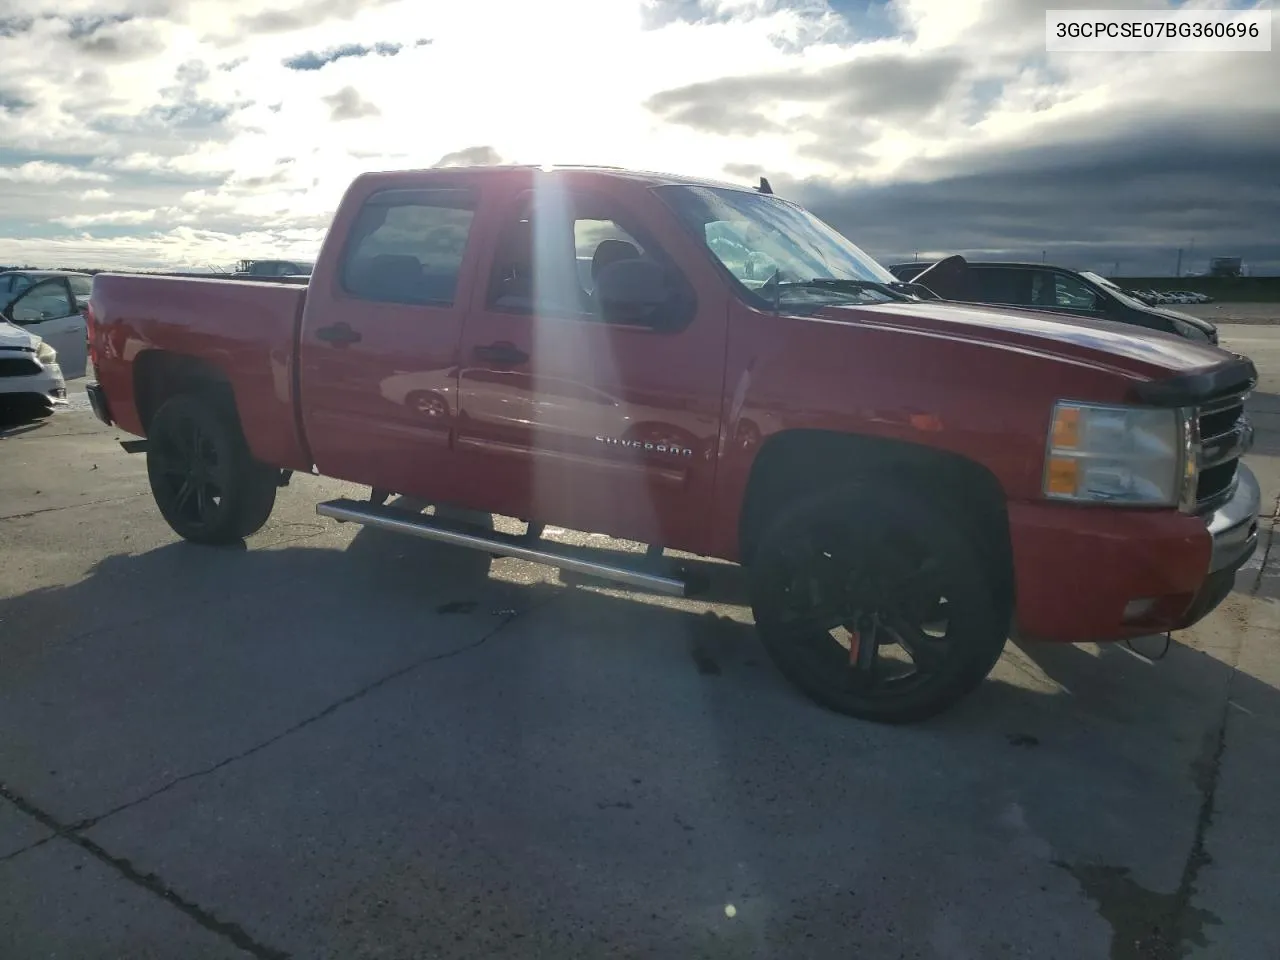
x: 876, y: 603
x: 209, y: 488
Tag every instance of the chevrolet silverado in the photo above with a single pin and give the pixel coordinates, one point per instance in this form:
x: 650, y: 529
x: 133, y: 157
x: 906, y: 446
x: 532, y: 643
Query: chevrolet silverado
x: 710, y: 369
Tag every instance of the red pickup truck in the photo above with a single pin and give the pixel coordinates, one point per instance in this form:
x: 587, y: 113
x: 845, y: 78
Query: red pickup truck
x: 709, y: 369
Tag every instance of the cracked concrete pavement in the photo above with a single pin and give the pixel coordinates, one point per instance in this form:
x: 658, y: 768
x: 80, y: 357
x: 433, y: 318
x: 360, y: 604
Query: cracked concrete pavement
x: 342, y: 743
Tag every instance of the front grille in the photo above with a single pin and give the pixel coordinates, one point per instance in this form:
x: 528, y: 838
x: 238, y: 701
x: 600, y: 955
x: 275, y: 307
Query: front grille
x: 18, y: 367
x: 1216, y: 421
x: 1225, y: 434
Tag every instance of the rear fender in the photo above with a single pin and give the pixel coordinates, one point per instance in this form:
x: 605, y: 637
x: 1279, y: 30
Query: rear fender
x: 159, y: 375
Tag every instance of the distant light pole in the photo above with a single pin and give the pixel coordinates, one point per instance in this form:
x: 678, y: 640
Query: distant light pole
x: 1042, y: 255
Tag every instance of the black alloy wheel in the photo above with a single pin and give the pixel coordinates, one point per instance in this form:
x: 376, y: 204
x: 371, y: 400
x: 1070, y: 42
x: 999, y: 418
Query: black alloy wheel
x: 208, y: 487
x: 876, y: 605
x: 190, y: 465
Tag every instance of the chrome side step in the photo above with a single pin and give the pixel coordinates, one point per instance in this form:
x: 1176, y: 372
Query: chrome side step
x: 563, y: 556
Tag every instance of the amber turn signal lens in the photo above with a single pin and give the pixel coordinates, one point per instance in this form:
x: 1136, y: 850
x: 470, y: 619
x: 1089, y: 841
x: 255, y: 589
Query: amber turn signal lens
x: 1066, y: 428
x: 1064, y: 475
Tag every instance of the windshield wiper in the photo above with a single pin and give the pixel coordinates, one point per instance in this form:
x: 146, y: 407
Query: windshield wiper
x: 854, y: 286
x: 772, y: 288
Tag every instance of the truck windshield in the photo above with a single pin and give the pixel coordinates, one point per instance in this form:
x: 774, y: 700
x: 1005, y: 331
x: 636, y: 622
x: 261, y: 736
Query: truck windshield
x: 761, y: 239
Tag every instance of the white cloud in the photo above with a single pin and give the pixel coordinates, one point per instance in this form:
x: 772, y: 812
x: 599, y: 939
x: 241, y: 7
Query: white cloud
x: 194, y: 127
x: 43, y: 172
x: 112, y: 218
x: 558, y: 99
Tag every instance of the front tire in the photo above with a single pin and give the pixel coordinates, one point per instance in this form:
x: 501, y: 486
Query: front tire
x: 204, y: 480
x: 877, y: 604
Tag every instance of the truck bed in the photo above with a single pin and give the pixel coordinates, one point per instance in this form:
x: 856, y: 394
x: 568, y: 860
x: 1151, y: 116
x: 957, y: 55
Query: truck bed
x: 246, y: 329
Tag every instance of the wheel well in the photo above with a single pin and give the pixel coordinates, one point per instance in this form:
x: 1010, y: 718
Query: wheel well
x: 800, y: 461
x: 159, y: 375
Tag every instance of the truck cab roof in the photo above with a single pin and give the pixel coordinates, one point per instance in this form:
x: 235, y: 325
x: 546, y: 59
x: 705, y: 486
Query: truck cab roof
x: 521, y: 171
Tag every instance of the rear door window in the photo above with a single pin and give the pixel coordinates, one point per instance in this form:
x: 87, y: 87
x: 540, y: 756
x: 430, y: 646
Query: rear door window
x: 407, y: 245
x: 1002, y: 285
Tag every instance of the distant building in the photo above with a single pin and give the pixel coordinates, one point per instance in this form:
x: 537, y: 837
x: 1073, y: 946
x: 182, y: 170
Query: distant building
x: 1226, y: 267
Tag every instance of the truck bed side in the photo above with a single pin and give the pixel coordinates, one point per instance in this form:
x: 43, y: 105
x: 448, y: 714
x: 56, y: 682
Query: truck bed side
x: 155, y: 335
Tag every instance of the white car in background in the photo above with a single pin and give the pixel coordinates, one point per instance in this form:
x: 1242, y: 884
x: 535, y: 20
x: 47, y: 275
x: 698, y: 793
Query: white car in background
x: 51, y: 305
x: 31, y: 382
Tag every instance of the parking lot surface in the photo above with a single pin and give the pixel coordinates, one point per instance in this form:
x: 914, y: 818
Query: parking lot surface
x: 337, y: 742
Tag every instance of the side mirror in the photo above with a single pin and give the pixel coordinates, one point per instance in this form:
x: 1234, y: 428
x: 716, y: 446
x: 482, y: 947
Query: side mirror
x: 949, y: 279
x: 632, y: 291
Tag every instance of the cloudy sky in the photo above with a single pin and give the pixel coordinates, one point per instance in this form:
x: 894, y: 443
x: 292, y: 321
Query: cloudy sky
x: 195, y: 132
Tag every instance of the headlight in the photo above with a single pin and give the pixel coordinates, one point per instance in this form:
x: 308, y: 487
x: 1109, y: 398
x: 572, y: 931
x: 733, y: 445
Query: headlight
x: 1189, y: 330
x: 46, y: 353
x: 1127, y: 455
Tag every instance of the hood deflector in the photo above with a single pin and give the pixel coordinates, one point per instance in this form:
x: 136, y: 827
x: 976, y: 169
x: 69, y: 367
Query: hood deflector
x: 1236, y: 375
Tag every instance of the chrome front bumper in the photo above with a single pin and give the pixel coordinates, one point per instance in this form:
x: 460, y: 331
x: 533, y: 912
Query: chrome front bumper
x: 1234, y: 525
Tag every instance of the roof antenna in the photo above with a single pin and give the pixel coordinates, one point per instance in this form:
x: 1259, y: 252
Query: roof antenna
x: 764, y: 185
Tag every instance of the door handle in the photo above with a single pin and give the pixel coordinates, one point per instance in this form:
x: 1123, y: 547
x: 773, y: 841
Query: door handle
x: 339, y: 335
x: 507, y: 354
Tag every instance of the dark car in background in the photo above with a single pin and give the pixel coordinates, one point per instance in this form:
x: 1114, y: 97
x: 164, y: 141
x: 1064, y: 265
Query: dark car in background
x: 1039, y: 286
x: 273, y: 268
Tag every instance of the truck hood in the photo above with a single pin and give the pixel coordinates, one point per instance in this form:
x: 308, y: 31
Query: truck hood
x: 1100, y: 343
x: 12, y: 336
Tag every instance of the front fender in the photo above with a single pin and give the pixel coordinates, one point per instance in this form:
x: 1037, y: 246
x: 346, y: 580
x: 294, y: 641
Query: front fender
x: 988, y: 403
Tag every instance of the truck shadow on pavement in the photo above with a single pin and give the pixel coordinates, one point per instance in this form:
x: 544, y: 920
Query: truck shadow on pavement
x: 648, y: 749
